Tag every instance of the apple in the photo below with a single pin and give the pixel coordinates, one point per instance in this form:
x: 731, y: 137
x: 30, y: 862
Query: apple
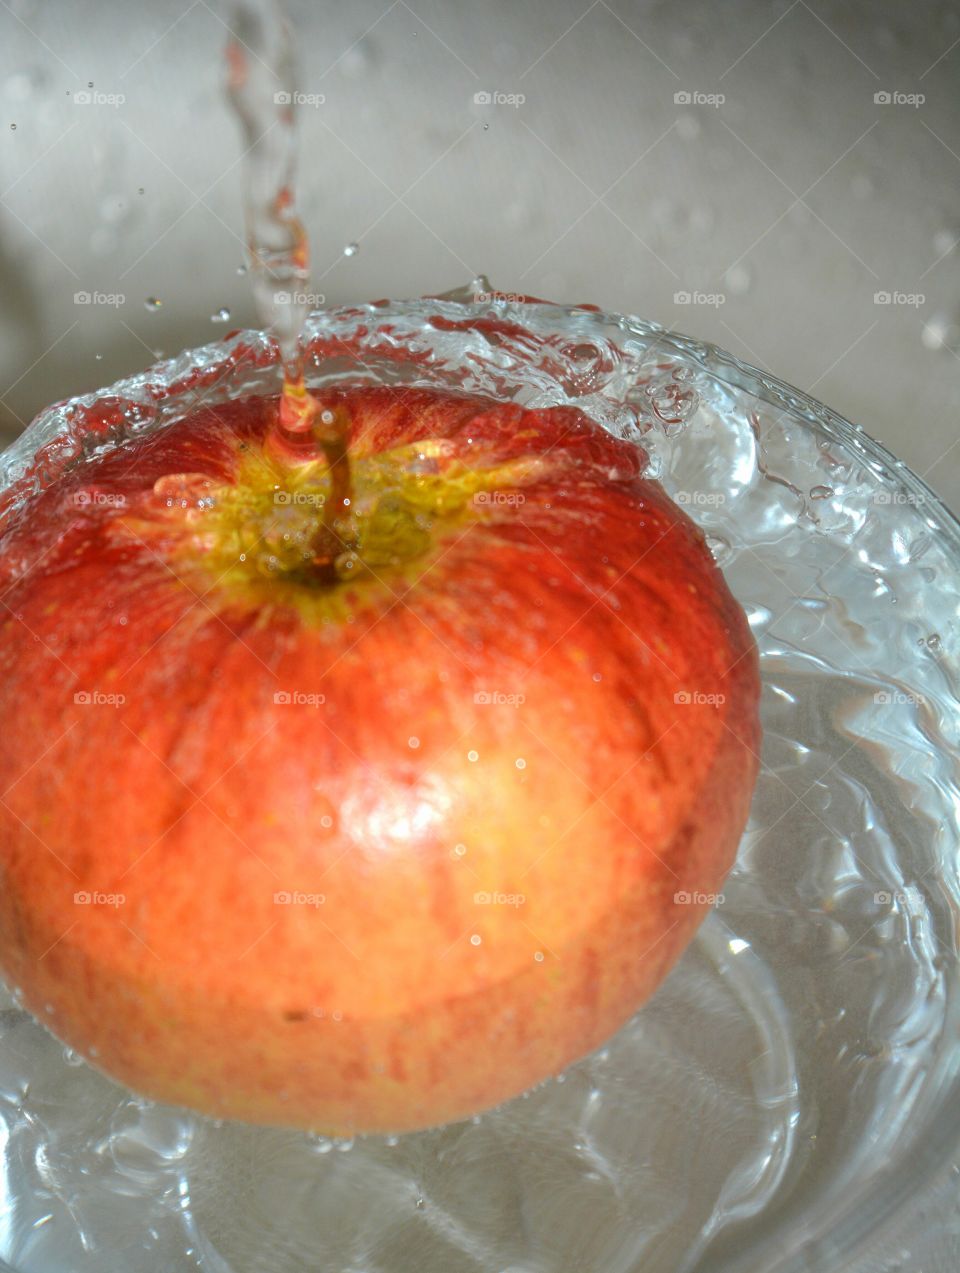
x: 361, y: 776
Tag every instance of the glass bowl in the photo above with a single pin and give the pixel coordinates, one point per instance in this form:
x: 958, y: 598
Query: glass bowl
x: 789, y: 1099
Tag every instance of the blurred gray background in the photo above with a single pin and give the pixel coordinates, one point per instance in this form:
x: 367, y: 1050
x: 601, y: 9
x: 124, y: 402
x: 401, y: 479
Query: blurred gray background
x: 791, y: 168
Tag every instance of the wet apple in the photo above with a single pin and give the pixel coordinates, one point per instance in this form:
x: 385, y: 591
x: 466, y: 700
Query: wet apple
x: 359, y: 777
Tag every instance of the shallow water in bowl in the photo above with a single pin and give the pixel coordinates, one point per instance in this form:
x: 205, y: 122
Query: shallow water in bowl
x: 803, y: 1045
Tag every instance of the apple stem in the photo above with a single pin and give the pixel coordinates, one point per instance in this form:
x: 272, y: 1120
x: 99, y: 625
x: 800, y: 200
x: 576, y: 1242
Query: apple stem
x: 299, y: 413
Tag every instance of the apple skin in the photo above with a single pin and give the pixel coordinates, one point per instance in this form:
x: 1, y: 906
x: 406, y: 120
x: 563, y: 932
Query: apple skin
x: 481, y: 891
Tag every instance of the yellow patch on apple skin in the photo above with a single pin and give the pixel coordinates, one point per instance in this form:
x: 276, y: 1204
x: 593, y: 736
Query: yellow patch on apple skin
x: 254, y: 540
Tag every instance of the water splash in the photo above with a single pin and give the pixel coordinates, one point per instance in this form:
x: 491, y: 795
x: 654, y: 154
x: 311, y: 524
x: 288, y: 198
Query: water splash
x: 261, y: 86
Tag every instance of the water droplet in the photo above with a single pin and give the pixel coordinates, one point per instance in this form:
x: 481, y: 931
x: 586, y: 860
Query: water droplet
x: 14, y: 127
x: 420, y: 1202
x: 486, y: 127
x: 688, y: 127
x: 351, y: 249
x: 222, y: 315
x: 821, y: 492
x: 940, y: 332
x: 738, y: 279
x: 934, y: 643
x: 241, y: 270
x: 152, y: 303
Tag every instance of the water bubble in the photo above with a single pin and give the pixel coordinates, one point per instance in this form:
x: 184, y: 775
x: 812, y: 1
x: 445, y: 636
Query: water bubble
x: 152, y: 303
x: 140, y: 190
x: 14, y: 127
x: 738, y: 279
x: 241, y: 270
x: 688, y: 127
x: 940, y: 332
x: 351, y: 249
x: 821, y: 492
x: 486, y: 127
x: 475, y: 939
x: 222, y: 315
x: 71, y: 1057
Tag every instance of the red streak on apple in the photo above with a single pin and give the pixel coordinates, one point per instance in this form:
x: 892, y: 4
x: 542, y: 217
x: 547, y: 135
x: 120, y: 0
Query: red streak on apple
x: 377, y: 846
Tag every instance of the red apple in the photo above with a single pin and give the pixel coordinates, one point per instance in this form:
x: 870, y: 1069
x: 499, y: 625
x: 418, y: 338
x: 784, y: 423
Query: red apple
x: 360, y: 803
